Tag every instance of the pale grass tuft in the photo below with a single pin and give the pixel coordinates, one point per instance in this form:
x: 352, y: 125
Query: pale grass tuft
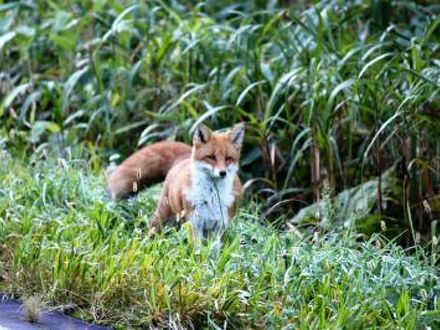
x: 33, y: 308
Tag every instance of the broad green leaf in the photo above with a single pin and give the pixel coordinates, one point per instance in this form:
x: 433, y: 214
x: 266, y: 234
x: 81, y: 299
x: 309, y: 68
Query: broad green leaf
x: 374, y: 61
x: 6, y: 38
x: 349, y: 205
x: 73, y: 80
x: 21, y: 89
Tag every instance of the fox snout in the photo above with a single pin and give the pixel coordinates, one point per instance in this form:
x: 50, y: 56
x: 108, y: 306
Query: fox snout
x: 220, y: 172
x: 220, y: 167
x: 224, y: 172
x: 217, y: 172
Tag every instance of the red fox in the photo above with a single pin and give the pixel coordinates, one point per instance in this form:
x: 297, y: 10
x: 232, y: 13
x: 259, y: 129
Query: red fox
x: 201, y: 184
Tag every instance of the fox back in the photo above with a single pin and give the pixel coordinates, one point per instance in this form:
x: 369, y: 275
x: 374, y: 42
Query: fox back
x: 145, y: 167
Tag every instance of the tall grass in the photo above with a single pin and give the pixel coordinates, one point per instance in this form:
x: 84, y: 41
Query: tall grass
x: 337, y: 91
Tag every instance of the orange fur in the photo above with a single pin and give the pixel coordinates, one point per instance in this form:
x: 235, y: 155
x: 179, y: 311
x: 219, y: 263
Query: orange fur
x: 201, y: 183
x: 174, y: 207
x: 145, y: 167
x: 218, y: 152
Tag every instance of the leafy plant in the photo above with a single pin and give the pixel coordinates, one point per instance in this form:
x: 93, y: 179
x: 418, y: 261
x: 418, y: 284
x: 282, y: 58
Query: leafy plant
x: 336, y: 91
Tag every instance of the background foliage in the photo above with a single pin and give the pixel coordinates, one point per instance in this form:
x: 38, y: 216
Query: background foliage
x: 333, y: 92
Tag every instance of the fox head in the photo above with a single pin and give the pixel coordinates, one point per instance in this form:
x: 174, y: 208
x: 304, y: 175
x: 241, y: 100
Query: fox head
x: 217, y: 154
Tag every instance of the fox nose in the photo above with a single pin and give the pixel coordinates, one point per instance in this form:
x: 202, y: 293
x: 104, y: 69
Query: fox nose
x: 222, y: 173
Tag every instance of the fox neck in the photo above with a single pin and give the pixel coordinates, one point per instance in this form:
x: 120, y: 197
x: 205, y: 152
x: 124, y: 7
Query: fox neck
x: 206, y: 188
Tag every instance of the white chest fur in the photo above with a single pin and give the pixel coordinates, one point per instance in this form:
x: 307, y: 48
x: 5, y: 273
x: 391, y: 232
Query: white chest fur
x: 211, y: 199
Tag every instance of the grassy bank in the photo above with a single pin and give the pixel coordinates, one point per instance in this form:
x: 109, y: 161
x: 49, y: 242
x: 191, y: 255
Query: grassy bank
x: 63, y: 242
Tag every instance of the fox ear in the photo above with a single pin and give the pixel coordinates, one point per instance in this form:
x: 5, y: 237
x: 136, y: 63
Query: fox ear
x: 201, y: 134
x: 236, y: 135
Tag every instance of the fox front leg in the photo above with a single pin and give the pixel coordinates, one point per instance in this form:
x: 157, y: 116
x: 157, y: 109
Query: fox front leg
x: 155, y: 225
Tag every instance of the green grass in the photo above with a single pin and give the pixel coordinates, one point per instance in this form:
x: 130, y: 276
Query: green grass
x: 340, y: 99
x: 62, y: 241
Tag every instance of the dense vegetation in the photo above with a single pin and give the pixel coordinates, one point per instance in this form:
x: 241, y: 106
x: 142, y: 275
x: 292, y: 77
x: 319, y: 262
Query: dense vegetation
x: 333, y: 93
x: 341, y: 101
x: 63, y: 243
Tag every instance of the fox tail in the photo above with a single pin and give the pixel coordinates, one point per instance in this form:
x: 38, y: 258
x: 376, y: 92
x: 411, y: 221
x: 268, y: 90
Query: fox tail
x: 145, y: 167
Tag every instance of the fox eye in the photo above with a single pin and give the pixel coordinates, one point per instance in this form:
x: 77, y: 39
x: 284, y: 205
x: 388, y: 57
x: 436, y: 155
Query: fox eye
x: 228, y: 159
x: 211, y: 157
